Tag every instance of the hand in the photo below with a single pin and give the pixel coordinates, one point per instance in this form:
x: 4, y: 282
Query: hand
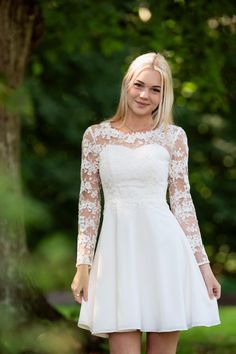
x: 79, y: 285
x: 213, y: 286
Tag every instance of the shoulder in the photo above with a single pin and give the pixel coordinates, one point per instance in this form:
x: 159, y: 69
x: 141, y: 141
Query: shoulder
x: 177, y: 138
x: 92, y: 136
x: 177, y: 132
x: 91, y: 131
x: 95, y: 129
x: 175, y: 129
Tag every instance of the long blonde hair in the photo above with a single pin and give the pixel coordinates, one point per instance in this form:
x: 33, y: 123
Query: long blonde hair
x: 155, y: 61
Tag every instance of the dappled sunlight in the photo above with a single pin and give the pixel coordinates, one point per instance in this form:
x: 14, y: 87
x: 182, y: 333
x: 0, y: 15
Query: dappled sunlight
x: 144, y: 13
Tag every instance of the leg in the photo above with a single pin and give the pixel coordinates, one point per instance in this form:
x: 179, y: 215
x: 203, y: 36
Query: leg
x: 162, y: 342
x: 125, y: 342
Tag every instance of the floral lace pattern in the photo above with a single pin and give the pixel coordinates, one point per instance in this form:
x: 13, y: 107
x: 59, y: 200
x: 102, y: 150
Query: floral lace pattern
x: 180, y: 198
x: 174, y: 142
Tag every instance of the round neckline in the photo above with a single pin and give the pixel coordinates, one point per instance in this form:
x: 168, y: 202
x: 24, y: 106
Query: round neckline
x: 133, y: 133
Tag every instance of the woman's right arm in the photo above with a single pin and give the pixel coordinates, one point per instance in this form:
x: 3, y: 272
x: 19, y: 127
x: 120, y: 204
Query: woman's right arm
x: 89, y: 211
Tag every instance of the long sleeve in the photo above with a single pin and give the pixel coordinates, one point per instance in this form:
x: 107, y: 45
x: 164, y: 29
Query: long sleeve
x: 89, y: 208
x: 181, y: 203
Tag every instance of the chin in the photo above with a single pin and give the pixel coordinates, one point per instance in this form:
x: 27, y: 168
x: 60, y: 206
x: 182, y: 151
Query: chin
x: 142, y: 112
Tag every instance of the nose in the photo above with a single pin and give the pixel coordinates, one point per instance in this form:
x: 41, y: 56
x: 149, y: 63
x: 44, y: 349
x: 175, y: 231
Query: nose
x: 144, y: 93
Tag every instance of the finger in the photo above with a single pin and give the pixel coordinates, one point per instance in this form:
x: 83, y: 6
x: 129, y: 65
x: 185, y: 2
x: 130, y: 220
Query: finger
x: 77, y: 295
x: 219, y: 287
x: 217, y: 292
x: 78, y: 298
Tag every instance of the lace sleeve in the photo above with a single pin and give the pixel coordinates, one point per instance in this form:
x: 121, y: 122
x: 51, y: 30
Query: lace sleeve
x: 89, y: 209
x: 180, y: 198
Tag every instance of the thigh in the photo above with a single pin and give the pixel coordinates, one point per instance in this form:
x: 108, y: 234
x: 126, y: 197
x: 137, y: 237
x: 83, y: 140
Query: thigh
x: 162, y: 342
x: 125, y: 342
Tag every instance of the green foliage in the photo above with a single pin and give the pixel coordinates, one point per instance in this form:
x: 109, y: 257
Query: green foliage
x: 37, y: 336
x: 51, y: 263
x: 13, y: 204
x: 73, y: 80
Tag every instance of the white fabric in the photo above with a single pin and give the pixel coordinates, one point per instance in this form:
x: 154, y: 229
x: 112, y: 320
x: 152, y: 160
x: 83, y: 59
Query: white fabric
x: 145, y: 271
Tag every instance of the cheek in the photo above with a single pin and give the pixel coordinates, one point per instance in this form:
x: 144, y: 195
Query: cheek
x: 131, y: 93
x: 156, y: 100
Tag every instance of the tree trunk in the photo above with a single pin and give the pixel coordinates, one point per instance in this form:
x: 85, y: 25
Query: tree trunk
x: 21, y: 304
x: 20, y: 29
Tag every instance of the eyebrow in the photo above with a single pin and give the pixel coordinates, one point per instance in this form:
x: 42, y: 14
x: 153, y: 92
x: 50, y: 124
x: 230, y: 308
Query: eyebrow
x: 141, y: 82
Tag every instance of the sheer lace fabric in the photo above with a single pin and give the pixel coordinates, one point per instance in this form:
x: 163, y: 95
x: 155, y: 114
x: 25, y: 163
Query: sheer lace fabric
x: 96, y: 138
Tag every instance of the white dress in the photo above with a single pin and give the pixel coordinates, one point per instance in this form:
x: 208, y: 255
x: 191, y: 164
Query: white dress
x: 145, y: 271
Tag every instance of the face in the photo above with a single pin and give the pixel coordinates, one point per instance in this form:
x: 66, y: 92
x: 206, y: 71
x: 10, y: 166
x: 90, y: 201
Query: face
x: 143, y: 96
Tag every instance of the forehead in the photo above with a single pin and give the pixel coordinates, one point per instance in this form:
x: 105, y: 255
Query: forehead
x: 150, y: 77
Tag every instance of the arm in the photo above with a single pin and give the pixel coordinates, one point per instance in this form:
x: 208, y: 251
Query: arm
x: 89, y: 210
x: 180, y: 198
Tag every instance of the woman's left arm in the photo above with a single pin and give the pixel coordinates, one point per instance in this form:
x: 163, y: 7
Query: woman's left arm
x: 182, y: 207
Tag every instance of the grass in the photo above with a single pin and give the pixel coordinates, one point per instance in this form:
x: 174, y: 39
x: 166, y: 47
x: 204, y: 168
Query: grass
x: 220, y: 339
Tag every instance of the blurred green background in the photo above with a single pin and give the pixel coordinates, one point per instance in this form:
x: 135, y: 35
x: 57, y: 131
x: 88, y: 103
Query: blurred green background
x: 73, y: 80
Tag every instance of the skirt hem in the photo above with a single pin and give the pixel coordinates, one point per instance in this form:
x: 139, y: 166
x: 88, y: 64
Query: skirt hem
x: 104, y: 333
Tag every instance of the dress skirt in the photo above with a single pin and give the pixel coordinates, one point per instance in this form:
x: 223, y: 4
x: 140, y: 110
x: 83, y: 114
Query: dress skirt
x: 144, y: 274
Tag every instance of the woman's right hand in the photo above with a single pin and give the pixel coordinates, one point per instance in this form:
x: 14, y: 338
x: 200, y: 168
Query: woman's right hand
x: 80, y: 283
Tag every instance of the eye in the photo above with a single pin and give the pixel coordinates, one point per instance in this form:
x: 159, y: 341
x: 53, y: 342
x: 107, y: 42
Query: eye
x: 155, y: 90
x: 137, y: 84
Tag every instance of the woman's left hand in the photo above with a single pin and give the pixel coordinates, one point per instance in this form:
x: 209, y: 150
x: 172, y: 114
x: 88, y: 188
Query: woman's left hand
x: 213, y: 286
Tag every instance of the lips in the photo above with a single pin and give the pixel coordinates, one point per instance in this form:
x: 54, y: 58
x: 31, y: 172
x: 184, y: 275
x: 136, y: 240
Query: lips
x: 142, y: 103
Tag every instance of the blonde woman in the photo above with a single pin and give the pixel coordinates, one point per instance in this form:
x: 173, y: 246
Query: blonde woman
x: 150, y: 272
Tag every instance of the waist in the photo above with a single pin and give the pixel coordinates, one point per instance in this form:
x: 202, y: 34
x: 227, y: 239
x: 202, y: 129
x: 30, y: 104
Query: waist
x: 143, y: 201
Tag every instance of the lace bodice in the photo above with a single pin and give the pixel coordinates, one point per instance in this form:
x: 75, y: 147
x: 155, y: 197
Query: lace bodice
x: 173, y: 143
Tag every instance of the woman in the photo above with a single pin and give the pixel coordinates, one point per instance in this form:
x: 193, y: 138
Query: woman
x: 150, y: 272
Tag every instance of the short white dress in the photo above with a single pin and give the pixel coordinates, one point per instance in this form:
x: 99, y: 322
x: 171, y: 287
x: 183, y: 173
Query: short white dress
x: 145, y: 271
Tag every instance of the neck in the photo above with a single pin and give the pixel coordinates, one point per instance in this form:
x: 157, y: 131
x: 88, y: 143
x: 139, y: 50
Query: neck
x: 139, y: 122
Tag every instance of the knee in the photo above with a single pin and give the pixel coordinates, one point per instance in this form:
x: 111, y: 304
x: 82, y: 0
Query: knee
x: 125, y: 342
x: 162, y: 343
